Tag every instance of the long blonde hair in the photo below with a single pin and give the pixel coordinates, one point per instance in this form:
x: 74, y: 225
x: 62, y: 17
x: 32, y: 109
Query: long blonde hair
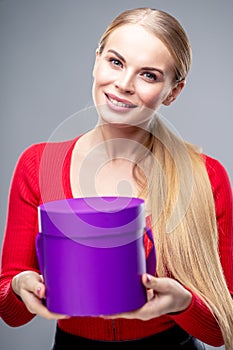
x: 183, y: 221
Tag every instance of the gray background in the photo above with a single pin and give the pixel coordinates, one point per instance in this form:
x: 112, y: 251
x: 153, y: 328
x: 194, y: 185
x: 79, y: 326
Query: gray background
x: 47, y: 53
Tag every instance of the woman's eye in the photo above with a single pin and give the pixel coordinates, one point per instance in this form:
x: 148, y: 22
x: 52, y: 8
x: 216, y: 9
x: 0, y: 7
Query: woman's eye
x: 115, y: 62
x: 150, y: 76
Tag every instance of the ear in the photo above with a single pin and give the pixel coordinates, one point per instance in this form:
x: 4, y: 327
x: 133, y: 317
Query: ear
x: 174, y: 93
x: 96, y: 59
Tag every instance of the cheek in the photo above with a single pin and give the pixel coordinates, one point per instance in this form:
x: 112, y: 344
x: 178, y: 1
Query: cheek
x: 102, y: 75
x: 101, y: 79
x: 150, y: 97
x: 153, y: 96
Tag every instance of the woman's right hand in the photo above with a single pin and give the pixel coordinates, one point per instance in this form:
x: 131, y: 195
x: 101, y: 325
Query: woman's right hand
x: 29, y: 286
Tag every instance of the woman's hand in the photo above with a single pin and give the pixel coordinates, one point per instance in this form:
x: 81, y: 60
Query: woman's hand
x: 164, y: 296
x: 29, y: 286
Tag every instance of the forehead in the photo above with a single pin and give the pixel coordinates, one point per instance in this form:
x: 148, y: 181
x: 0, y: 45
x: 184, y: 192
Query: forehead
x: 134, y: 41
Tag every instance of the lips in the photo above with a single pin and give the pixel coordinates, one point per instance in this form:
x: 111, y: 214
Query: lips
x: 118, y: 102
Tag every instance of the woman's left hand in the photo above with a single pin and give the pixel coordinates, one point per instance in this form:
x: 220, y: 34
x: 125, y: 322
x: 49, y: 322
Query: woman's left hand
x: 164, y: 295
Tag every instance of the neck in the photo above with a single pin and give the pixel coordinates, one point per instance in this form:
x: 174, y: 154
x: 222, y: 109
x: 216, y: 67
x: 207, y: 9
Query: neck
x: 122, y: 141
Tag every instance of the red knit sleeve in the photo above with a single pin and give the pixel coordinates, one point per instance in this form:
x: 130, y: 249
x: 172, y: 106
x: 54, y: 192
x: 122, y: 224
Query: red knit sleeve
x: 224, y: 210
x: 197, y: 319
x: 19, y: 239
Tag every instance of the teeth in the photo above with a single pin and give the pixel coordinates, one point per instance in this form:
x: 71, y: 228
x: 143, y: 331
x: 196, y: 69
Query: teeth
x: 119, y: 104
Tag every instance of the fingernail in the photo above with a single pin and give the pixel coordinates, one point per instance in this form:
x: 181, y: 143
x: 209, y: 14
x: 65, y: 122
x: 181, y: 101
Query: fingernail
x: 38, y: 291
x: 148, y: 278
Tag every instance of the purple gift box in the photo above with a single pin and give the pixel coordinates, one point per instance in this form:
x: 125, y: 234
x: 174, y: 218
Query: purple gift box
x: 91, y: 254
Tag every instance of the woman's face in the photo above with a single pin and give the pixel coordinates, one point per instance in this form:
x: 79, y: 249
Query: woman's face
x: 133, y: 75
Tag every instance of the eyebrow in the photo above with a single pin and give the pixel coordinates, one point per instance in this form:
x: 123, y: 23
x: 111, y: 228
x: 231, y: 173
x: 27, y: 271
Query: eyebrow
x: 144, y: 68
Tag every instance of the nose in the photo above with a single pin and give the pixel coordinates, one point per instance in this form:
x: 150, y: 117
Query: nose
x: 125, y: 82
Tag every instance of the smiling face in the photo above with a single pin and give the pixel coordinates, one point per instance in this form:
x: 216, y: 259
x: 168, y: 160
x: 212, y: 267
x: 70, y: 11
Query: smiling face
x: 134, y: 72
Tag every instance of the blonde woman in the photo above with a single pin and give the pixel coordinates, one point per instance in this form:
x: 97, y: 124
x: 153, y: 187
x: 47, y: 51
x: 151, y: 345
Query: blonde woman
x: 142, y: 62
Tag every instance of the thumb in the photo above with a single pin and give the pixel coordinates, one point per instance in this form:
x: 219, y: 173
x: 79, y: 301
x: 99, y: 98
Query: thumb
x: 162, y: 285
x: 39, y: 288
x: 148, y: 280
x: 152, y: 282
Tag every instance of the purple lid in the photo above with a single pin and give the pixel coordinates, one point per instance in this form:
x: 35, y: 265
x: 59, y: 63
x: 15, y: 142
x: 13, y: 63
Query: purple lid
x: 120, y: 219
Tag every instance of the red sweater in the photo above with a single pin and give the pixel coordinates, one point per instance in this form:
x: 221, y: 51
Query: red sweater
x: 47, y: 178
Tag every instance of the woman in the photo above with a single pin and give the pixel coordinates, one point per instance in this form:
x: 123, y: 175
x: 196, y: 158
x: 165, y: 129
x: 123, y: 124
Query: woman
x: 142, y: 62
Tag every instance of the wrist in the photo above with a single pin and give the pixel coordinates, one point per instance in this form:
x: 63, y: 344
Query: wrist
x: 187, y: 300
x: 19, y: 281
x: 14, y: 286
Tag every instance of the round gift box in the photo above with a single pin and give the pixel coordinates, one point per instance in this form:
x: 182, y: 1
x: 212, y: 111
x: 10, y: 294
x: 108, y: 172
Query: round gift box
x: 91, y: 254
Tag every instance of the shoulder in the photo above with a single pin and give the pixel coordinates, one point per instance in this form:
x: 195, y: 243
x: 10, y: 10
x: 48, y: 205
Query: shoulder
x: 219, y: 178
x: 37, y: 150
x: 42, y: 155
x: 213, y: 164
x: 216, y: 170
x: 31, y: 151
